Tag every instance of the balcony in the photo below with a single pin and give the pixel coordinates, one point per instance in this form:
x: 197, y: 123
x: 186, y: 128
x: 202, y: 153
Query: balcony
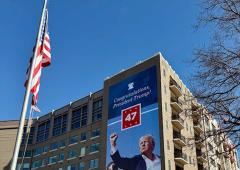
x: 176, y: 104
x: 179, y: 139
x: 232, y: 159
x: 198, y: 127
x: 175, y: 88
x: 180, y: 157
x: 177, y: 121
x: 200, y: 167
x: 201, y: 157
x: 199, y: 142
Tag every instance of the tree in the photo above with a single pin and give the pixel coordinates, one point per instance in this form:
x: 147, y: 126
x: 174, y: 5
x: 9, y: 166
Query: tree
x: 217, y: 81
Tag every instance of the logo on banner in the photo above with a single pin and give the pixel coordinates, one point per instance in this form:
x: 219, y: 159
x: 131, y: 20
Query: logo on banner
x: 131, y: 117
x: 131, y: 86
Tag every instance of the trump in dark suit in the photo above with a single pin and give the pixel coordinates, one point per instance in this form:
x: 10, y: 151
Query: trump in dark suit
x: 146, y: 160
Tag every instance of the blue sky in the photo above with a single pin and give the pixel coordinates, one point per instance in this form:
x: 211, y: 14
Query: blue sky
x: 90, y: 40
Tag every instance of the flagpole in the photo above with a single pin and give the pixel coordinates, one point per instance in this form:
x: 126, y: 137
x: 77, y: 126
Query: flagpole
x: 26, y: 97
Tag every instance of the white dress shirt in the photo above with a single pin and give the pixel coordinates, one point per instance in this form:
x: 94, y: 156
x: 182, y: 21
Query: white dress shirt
x: 152, y: 165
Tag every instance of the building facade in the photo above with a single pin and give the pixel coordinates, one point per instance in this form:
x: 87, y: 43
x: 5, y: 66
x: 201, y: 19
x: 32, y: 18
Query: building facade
x: 76, y: 135
x: 8, y: 133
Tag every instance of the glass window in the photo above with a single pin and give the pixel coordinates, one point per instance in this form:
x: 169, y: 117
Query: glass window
x: 53, y: 159
x: 93, y: 163
x: 72, y: 154
x: 73, y: 139
x: 25, y: 136
x: 28, y: 154
x: 83, y: 136
x: 26, y: 166
x: 43, y: 131
x: 94, y: 147
x: 169, y: 165
x: 45, y: 161
x: 60, y: 125
x: 38, y: 151
x: 81, y: 166
x: 72, y: 167
x: 37, y: 164
x: 95, y: 133
x: 62, y: 143
x: 97, y: 110
x: 61, y: 156
x: 45, y: 149
x: 79, y: 117
x: 82, y: 151
x: 53, y: 146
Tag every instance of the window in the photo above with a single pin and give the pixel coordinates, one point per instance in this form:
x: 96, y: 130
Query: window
x: 72, y: 167
x: 210, y: 146
x: 53, y: 146
x: 45, y: 161
x: 82, y: 151
x: 95, y: 133
x: 53, y: 159
x: 166, y: 124
x: 94, y: 147
x: 168, y: 146
x: 83, y: 136
x: 190, y: 160
x: 72, y: 154
x: 93, y: 164
x: 165, y: 89
x: 43, y: 131
x: 73, y: 139
x: 60, y: 125
x: 45, y: 149
x: 38, y: 151
x: 164, y: 72
x: 28, y: 154
x: 97, y: 110
x: 166, y: 107
x: 187, y: 126
x: 62, y: 143
x: 30, y: 137
x: 79, y: 117
x: 26, y: 166
x: 169, y: 165
x: 61, y: 157
x: 212, y: 161
x: 37, y: 164
x: 81, y: 166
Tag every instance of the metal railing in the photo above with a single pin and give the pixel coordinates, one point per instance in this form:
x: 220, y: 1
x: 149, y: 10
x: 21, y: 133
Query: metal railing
x: 177, y: 135
x: 177, y: 117
x: 179, y: 154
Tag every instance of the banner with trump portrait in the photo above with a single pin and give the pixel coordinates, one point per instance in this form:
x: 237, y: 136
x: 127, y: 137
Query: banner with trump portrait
x: 133, y: 122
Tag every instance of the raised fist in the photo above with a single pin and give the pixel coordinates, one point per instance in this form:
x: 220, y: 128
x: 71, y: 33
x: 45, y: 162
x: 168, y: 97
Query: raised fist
x: 113, y: 139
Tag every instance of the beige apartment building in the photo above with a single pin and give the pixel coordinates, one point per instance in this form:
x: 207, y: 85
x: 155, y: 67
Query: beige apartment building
x: 74, y: 137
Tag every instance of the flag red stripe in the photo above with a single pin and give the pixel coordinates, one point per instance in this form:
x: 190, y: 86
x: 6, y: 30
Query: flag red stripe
x: 43, y: 59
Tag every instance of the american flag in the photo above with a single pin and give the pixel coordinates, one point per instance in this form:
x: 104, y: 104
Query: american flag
x: 43, y: 59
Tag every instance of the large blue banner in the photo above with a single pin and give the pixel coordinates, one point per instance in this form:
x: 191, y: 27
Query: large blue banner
x: 133, y: 130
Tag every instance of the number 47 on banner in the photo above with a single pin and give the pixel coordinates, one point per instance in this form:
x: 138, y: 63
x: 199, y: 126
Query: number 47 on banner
x: 131, y: 117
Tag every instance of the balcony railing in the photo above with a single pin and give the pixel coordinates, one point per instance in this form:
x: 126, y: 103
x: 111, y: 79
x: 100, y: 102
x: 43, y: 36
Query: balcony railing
x: 176, y: 104
x: 179, y: 139
x: 198, y: 126
x: 175, y: 88
x: 180, y: 157
x: 201, y: 156
x: 173, y: 82
x: 199, y: 141
x: 177, y: 121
